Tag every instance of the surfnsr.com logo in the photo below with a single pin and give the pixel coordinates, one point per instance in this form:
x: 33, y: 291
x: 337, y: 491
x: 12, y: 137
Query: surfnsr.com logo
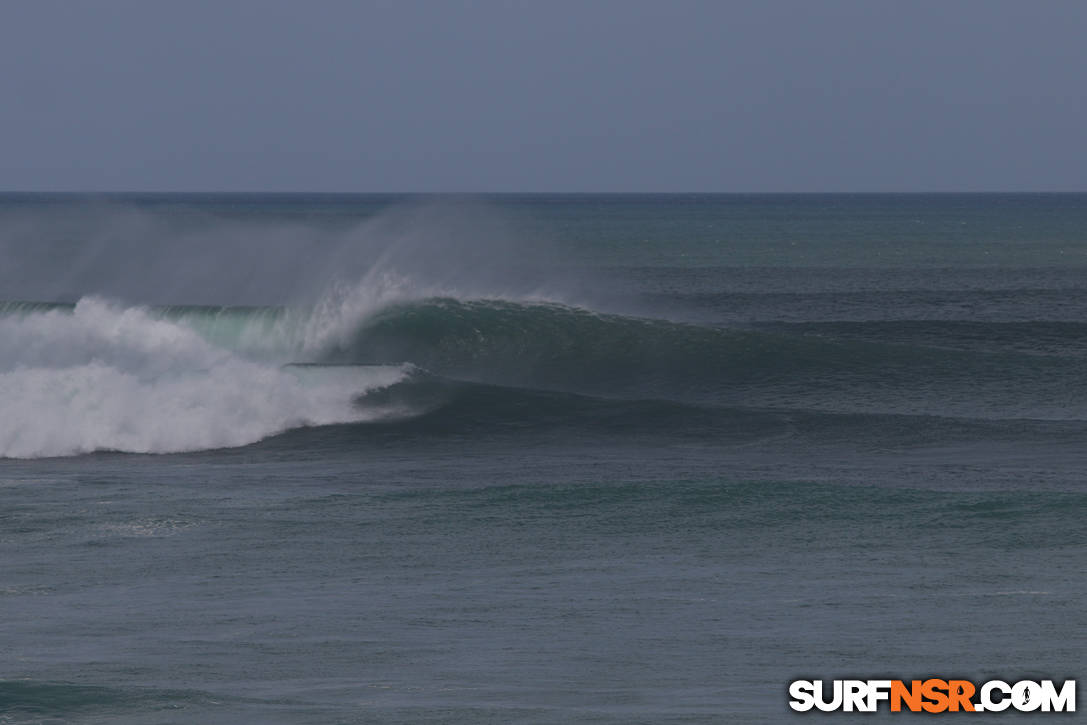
x: 932, y: 695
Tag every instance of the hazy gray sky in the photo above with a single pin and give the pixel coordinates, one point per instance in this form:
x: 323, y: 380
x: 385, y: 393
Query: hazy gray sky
x: 628, y: 95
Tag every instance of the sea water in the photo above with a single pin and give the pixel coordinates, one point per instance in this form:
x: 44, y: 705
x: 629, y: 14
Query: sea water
x: 534, y: 458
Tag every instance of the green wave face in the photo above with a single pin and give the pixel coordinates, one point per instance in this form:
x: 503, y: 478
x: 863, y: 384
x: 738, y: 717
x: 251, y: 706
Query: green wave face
x: 572, y: 349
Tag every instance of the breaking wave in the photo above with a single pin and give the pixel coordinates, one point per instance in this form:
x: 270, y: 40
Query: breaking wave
x: 97, y: 375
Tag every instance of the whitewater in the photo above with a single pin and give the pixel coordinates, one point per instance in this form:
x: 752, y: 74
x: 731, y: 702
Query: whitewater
x: 104, y: 377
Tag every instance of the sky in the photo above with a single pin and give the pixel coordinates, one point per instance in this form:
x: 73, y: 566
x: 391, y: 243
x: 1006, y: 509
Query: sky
x: 579, y: 95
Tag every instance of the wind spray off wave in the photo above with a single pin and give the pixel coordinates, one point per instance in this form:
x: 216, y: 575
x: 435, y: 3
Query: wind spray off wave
x: 149, y: 375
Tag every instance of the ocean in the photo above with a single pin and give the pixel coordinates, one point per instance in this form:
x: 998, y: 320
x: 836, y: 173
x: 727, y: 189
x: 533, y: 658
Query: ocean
x: 534, y: 458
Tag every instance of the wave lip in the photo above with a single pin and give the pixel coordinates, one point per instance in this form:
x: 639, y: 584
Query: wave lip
x: 545, y: 345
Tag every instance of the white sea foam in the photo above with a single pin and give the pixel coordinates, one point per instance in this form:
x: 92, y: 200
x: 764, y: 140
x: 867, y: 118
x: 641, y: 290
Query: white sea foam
x: 108, y: 377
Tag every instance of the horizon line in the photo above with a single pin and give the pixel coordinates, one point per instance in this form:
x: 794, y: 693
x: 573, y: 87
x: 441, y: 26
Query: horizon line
x: 85, y: 192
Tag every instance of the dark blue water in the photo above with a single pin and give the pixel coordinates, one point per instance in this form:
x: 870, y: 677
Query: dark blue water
x: 541, y: 459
